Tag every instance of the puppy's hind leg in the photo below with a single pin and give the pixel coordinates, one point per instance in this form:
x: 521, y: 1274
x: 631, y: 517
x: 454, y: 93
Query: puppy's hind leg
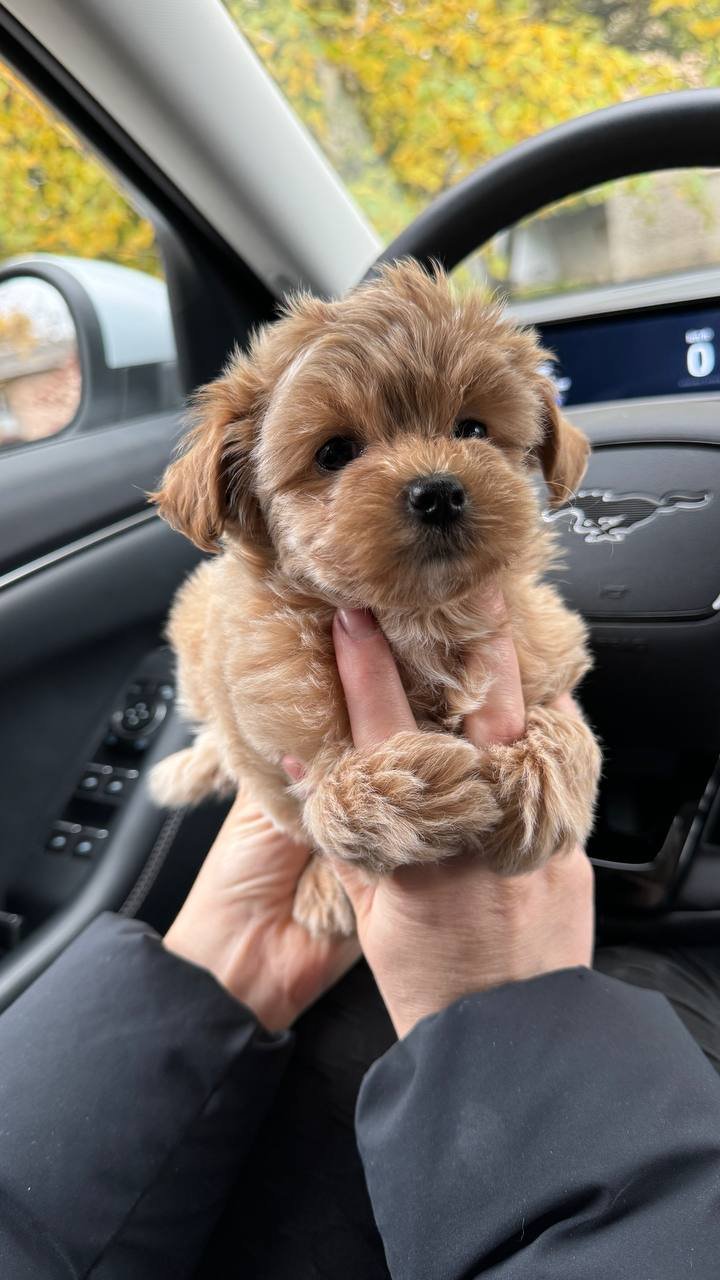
x: 321, y: 904
x: 191, y: 775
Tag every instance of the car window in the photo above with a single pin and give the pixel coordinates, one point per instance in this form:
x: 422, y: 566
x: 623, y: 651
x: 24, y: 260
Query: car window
x: 407, y: 97
x: 85, y: 326
x: 651, y: 227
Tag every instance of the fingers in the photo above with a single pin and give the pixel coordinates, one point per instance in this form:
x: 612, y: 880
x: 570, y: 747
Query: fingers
x: 376, y: 701
x: 501, y: 719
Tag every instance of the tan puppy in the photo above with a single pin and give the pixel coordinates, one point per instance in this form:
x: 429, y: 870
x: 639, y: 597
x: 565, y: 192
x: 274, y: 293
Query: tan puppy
x: 378, y: 452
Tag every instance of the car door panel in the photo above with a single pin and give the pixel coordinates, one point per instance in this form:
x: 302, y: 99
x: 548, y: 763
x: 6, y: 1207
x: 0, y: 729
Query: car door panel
x: 74, y: 627
x: 43, y: 505
x: 121, y: 582
x: 87, y: 570
x: 139, y: 835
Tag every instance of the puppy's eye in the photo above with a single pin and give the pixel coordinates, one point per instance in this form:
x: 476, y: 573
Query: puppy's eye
x: 337, y: 452
x: 470, y: 429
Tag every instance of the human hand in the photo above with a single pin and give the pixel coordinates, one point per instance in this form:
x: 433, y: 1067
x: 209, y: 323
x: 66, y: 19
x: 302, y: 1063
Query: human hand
x: 237, y: 922
x: 435, y: 932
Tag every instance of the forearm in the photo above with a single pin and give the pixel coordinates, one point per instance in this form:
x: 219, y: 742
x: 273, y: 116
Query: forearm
x: 565, y: 1126
x: 131, y: 1087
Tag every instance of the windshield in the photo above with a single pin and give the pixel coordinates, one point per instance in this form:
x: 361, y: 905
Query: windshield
x: 406, y: 97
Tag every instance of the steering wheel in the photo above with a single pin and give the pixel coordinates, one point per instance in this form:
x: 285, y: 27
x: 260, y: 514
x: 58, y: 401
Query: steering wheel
x: 648, y: 579
x: 669, y: 131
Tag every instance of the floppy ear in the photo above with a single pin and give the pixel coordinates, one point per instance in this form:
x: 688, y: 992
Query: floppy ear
x: 563, y: 450
x: 209, y: 484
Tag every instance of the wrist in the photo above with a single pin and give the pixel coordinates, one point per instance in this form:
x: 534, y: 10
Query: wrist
x: 406, y: 1014
x: 239, y: 963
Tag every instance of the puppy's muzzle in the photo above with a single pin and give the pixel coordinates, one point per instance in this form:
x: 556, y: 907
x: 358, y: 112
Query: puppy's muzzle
x: 436, y: 501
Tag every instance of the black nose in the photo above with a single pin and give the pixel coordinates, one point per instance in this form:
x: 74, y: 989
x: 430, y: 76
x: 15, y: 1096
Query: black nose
x: 437, y: 500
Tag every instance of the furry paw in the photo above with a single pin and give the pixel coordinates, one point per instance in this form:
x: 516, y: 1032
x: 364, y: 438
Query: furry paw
x: 418, y: 797
x: 189, y: 776
x: 545, y: 786
x: 321, y: 904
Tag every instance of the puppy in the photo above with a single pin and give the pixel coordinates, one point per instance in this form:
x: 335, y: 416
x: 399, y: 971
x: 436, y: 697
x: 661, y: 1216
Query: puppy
x: 378, y: 452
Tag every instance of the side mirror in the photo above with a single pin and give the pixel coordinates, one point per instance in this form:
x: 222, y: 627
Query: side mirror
x: 40, y: 378
x: 83, y: 344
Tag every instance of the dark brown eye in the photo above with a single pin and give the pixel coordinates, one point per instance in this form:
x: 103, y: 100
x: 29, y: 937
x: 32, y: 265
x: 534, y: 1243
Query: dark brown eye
x: 337, y: 452
x: 470, y: 429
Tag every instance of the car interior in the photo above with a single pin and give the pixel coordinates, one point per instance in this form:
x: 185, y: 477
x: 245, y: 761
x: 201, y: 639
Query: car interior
x: 88, y: 570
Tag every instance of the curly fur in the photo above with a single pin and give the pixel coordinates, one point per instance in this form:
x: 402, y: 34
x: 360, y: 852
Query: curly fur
x: 395, y: 365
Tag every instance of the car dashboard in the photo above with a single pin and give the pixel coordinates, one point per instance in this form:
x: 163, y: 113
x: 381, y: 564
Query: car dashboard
x: 652, y: 352
x: 640, y: 544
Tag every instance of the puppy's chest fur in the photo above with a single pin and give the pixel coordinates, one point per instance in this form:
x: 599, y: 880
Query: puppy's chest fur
x: 256, y: 663
x: 447, y: 677
x: 439, y: 687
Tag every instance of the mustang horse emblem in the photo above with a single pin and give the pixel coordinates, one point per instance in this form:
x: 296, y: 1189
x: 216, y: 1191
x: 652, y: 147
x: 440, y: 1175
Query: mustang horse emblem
x: 600, y: 515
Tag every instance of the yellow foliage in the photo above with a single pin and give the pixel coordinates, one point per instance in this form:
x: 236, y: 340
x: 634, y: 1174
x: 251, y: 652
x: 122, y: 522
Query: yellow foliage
x: 410, y: 96
x: 659, y: 7
x: 406, y: 97
x: 56, y: 197
x: 705, y: 28
x: 16, y: 331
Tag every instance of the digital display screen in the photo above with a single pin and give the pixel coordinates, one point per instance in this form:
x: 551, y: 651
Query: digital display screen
x: 650, y: 354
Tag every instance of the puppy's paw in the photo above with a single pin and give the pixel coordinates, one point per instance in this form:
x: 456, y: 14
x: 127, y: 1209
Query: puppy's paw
x: 418, y: 797
x: 189, y: 776
x: 546, y: 787
x: 321, y: 904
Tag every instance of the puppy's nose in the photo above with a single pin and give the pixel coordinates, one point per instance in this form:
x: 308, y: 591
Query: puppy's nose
x: 437, y: 500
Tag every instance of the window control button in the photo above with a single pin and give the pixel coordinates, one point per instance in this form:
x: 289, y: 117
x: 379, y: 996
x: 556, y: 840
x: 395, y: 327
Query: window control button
x: 89, y: 841
x: 119, y: 783
x: 92, y: 779
x: 64, y: 835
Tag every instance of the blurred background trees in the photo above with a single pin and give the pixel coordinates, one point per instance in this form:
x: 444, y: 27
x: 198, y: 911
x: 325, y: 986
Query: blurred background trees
x: 408, y: 96
x: 55, y: 197
x: 405, y: 97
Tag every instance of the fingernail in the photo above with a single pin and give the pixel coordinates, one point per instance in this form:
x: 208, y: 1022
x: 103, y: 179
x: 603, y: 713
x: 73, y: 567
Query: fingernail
x: 357, y: 623
x: 294, y: 769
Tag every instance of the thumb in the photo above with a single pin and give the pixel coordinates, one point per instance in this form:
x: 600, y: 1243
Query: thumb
x: 501, y: 719
x: 359, y: 888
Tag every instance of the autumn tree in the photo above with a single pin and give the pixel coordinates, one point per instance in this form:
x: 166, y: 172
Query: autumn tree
x: 405, y: 97
x: 686, y: 30
x: 408, y: 97
x: 56, y: 197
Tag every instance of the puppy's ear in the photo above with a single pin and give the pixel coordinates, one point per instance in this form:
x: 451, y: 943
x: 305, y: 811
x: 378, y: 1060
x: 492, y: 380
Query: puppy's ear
x: 563, y: 450
x: 209, y: 485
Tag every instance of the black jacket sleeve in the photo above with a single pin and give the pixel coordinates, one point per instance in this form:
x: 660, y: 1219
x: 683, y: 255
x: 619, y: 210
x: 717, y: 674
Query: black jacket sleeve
x: 131, y: 1086
x: 565, y: 1127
